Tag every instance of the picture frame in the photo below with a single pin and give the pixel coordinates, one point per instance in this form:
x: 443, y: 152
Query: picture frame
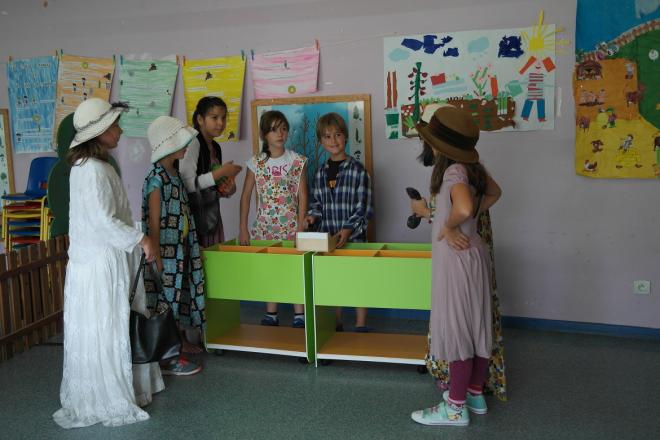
x: 303, y: 112
x: 6, y: 156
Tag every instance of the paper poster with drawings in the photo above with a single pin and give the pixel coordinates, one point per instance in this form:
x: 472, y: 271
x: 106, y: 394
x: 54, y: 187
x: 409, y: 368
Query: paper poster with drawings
x: 285, y: 73
x: 221, y: 77
x: 147, y: 87
x: 80, y: 78
x: 31, y: 84
x: 304, y: 112
x: 6, y: 162
x: 616, y: 86
x: 505, y: 78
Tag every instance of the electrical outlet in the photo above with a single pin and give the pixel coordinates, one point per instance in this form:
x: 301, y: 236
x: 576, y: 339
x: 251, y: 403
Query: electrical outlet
x: 642, y: 287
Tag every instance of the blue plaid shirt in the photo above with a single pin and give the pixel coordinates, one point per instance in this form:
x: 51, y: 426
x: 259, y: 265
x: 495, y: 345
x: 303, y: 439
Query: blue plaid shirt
x: 348, y: 205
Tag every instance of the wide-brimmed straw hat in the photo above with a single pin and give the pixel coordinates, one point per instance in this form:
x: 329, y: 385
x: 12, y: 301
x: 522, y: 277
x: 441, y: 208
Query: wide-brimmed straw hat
x: 168, y: 135
x: 450, y: 131
x: 92, y: 117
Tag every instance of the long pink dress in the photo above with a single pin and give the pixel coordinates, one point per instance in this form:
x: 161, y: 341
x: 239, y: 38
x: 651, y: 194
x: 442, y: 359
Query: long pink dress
x: 461, y: 322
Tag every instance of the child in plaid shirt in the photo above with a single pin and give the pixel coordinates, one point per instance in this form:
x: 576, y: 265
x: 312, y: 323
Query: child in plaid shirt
x: 341, y: 201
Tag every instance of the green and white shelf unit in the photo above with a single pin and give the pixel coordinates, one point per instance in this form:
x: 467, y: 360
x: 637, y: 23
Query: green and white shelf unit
x: 268, y: 271
x: 373, y: 275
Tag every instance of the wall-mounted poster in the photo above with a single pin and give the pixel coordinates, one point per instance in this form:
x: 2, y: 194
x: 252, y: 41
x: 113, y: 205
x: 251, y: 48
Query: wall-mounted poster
x: 304, y: 112
x: 285, y: 73
x: 505, y: 78
x: 6, y: 163
x: 32, y: 87
x: 616, y: 86
x: 147, y: 87
x: 221, y: 77
x: 80, y: 78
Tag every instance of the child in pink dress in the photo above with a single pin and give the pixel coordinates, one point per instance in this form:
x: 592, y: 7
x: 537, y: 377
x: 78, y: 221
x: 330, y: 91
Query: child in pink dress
x: 460, y: 325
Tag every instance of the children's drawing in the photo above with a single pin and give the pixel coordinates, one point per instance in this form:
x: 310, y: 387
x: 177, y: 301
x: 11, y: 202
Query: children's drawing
x: 285, y: 73
x: 498, y: 76
x: 616, y: 89
x: 304, y: 112
x: 31, y: 84
x: 80, y: 78
x: 147, y: 87
x: 222, y: 77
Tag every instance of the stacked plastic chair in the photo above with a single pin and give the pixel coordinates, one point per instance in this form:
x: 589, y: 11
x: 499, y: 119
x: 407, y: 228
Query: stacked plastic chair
x: 24, y: 214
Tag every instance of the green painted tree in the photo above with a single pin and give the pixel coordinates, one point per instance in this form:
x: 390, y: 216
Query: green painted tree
x: 417, y: 81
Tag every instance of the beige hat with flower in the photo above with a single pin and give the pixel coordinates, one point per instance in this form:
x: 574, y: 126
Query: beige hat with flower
x: 168, y: 135
x: 93, y: 117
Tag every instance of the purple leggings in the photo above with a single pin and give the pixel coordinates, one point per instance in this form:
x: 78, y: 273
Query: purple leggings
x: 467, y: 375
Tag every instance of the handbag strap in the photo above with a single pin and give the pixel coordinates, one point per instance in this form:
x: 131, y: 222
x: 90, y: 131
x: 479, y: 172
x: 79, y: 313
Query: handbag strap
x: 155, y: 275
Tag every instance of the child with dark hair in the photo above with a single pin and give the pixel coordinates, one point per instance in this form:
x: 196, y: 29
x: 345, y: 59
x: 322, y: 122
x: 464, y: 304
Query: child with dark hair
x: 279, y: 176
x: 341, y: 202
x: 201, y: 169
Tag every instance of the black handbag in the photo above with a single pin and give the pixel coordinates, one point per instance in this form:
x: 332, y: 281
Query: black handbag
x: 205, y: 209
x: 156, y: 337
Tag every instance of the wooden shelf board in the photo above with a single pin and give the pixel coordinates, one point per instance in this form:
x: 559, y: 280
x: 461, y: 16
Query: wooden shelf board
x: 383, y: 347
x: 259, y: 338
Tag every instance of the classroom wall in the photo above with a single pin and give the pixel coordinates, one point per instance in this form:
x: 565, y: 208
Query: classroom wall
x: 567, y: 247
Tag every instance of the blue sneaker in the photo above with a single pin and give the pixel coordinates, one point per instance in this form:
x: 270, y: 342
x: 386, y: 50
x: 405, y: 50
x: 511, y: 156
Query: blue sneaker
x: 180, y: 367
x: 476, y: 404
x: 270, y: 320
x: 298, y: 322
x: 442, y: 414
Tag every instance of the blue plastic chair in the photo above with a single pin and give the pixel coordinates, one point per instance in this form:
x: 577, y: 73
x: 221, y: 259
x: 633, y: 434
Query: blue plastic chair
x: 37, y: 183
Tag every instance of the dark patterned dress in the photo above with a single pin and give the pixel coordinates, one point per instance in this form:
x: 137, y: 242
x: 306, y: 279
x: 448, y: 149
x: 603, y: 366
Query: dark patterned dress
x: 183, y: 277
x: 496, y: 382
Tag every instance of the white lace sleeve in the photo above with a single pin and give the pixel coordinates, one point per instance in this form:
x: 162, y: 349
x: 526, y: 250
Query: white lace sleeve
x: 101, y: 201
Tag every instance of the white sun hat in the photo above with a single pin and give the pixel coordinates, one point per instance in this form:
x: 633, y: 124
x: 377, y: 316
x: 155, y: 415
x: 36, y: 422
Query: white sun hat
x: 92, y: 117
x: 168, y: 135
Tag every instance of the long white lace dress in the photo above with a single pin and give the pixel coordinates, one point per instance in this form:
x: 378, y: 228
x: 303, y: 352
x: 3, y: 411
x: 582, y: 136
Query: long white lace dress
x: 98, y: 378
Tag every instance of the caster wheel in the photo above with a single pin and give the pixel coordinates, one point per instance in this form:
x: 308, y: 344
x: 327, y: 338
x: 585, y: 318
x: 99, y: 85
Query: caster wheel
x: 219, y: 352
x: 421, y: 369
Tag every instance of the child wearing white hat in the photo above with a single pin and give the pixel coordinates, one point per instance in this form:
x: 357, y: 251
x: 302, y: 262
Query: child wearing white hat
x: 97, y: 384
x: 167, y: 219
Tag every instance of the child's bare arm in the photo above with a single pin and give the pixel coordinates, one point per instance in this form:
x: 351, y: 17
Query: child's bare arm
x: 462, y: 205
x: 492, y: 194
x: 302, y: 200
x: 246, y: 195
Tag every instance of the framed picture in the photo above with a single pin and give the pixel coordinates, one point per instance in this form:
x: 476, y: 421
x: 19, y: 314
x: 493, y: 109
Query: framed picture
x: 304, y: 112
x: 6, y: 163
